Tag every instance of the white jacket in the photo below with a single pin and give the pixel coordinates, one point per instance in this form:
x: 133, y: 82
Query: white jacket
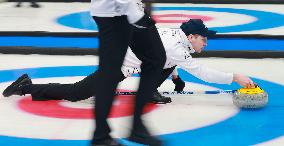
x: 134, y: 9
x: 178, y: 52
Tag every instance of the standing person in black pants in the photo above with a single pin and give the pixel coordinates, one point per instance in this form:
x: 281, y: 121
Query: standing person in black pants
x: 121, y: 23
x: 125, y: 24
x: 111, y: 54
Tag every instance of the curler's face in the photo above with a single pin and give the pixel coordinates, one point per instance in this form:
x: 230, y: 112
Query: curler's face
x: 198, y: 42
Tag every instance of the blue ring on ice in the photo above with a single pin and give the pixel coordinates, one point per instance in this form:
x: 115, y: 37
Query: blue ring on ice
x: 248, y: 127
x: 264, y: 20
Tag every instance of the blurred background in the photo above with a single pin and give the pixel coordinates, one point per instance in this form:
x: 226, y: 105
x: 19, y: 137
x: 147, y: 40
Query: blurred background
x: 246, y: 28
x: 57, y: 41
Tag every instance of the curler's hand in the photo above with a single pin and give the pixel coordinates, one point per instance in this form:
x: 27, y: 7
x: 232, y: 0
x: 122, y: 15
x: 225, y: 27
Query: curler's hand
x: 243, y: 80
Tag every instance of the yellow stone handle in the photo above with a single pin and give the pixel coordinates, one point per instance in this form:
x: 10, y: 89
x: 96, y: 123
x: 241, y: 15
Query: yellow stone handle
x: 255, y: 90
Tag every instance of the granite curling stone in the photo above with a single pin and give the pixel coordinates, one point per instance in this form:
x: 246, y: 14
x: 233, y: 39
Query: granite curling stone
x: 250, y: 98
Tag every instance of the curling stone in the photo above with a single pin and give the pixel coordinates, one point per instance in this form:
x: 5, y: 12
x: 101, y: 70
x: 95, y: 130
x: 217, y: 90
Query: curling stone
x: 250, y: 98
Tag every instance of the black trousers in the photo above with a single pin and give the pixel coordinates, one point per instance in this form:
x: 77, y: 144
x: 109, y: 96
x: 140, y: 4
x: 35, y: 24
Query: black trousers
x: 115, y: 35
x: 75, y: 92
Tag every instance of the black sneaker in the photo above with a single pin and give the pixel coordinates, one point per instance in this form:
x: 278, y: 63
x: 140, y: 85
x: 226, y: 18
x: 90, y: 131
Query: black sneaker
x: 145, y: 139
x: 140, y: 134
x: 106, y: 142
x: 16, y: 87
x: 160, y: 99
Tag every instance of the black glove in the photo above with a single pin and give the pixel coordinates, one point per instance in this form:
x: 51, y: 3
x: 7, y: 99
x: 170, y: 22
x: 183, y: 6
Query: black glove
x: 179, y: 84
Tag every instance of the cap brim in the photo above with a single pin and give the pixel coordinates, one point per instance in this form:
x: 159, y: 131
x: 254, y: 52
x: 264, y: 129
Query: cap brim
x: 210, y: 33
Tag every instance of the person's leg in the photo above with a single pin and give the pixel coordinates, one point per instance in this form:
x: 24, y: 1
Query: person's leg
x: 72, y: 92
x: 114, y: 36
x: 55, y: 91
x: 165, y: 74
x: 157, y: 97
x: 147, y: 46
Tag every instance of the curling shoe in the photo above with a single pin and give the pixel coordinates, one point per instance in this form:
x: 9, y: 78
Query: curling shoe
x: 16, y: 87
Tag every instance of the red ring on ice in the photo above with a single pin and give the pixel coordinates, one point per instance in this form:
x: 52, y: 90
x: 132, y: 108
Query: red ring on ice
x: 166, y: 18
x: 53, y: 108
